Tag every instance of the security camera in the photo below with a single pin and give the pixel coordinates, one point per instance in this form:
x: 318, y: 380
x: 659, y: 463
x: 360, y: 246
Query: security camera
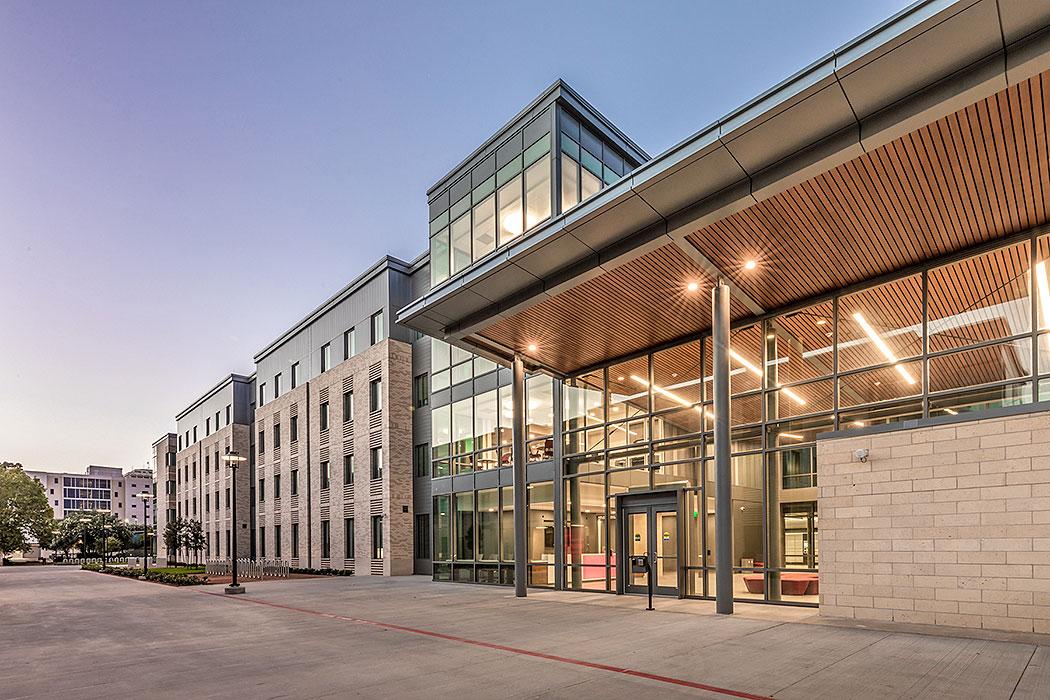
x: 861, y: 455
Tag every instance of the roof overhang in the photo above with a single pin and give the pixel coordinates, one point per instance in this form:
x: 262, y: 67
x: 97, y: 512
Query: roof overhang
x: 692, y: 211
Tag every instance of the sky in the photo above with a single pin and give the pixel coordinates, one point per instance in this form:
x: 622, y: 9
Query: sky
x: 181, y: 182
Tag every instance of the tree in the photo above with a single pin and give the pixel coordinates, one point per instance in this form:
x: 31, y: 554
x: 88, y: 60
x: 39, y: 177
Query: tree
x: 25, y: 514
x: 89, y: 530
x: 173, y: 536
x: 194, y: 538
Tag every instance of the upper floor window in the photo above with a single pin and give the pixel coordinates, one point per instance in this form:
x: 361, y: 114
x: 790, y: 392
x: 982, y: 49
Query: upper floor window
x: 228, y: 412
x: 376, y: 462
x: 294, y: 427
x: 348, y: 406
x: 194, y: 435
x: 277, y: 385
x: 420, y: 390
x: 326, y: 475
x: 324, y: 416
x: 295, y: 374
x: 207, y: 426
x: 349, y: 344
x: 378, y: 329
x: 276, y: 435
x: 375, y: 395
x: 326, y: 357
x: 262, y: 393
x: 217, y: 424
x: 295, y: 482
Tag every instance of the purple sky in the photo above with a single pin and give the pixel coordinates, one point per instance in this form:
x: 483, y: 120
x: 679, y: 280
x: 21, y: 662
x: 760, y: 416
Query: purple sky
x: 163, y: 166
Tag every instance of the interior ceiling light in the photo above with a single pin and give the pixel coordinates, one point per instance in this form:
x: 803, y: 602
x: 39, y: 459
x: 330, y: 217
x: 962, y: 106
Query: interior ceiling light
x: 951, y: 411
x: 750, y: 265
x: 793, y: 436
x: 821, y: 322
x: 670, y: 394
x: 692, y: 286
x: 883, y: 347
x: 1044, y: 294
x: 758, y: 373
x: 532, y: 347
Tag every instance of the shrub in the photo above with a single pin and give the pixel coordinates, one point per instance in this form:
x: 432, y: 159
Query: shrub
x: 321, y: 572
x: 154, y: 576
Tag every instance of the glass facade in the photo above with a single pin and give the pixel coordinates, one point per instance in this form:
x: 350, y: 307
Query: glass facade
x: 517, y: 188
x: 969, y: 335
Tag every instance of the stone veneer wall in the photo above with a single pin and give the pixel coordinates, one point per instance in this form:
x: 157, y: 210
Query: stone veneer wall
x: 944, y: 525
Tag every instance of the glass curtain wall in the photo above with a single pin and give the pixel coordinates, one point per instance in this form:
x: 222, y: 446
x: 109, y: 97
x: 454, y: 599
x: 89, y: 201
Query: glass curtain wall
x: 966, y: 336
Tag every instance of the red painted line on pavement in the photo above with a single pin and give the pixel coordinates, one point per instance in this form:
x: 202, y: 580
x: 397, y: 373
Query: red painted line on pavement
x: 501, y: 647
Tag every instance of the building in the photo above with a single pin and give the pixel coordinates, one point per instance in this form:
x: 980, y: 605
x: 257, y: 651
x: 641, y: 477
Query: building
x: 165, y: 451
x: 333, y: 426
x: 801, y: 357
x: 212, y: 428
x: 107, y: 489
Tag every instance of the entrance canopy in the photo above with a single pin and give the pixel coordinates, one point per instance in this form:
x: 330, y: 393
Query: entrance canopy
x: 924, y: 137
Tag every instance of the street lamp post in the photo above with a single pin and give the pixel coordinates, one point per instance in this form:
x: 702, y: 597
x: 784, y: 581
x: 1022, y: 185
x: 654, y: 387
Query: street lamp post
x: 232, y: 460
x: 105, y: 536
x: 146, y: 497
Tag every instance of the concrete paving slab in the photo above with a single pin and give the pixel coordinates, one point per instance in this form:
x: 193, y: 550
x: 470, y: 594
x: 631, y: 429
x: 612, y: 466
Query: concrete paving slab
x: 316, y: 639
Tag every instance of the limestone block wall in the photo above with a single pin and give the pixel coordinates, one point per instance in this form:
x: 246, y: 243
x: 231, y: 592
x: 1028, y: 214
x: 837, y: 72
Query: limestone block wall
x: 946, y: 525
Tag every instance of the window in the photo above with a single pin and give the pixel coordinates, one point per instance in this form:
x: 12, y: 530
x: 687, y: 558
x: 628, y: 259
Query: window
x: 378, y: 329
x: 295, y: 540
x: 295, y: 374
x: 348, y: 538
x: 207, y: 464
x: 228, y: 412
x: 262, y: 542
x: 439, y: 257
x: 227, y: 496
x: 295, y: 482
x: 459, y: 239
x: 349, y: 344
x: 277, y: 541
x: 422, y: 536
x: 262, y: 441
x: 326, y: 357
x: 510, y: 211
x: 376, y: 459
x: 348, y: 469
x: 277, y: 486
x: 326, y: 540
x: 207, y: 426
x: 420, y: 390
x: 324, y: 416
x: 277, y: 385
x: 262, y: 490
x: 348, y: 406
x: 276, y: 436
x: 216, y: 420
x: 483, y: 237
x: 570, y: 183
x: 375, y: 395
x: 294, y: 427
x: 194, y: 435
x: 377, y: 536
x: 262, y: 393
x: 538, y: 192
x: 420, y: 459
x: 326, y: 475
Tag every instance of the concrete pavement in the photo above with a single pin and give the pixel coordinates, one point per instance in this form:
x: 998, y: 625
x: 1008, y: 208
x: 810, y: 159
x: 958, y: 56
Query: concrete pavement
x: 68, y: 633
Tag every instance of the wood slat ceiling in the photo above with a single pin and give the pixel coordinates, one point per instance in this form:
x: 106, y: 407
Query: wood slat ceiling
x: 973, y: 176
x: 979, y: 174
x: 638, y: 305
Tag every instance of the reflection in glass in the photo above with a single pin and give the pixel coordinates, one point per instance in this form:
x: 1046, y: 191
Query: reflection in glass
x: 538, y: 192
x: 979, y: 299
x: 582, y: 401
x: 464, y: 526
x: 541, y: 534
x: 882, y: 324
x: 484, y: 232
x: 488, y: 525
x: 585, y: 532
x: 983, y: 365
x: 460, y: 240
x: 628, y: 389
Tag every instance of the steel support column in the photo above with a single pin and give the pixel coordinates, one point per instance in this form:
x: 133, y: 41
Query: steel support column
x: 521, y: 553
x: 723, y: 471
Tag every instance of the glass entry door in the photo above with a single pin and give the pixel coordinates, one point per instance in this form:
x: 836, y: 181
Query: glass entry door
x: 651, y: 531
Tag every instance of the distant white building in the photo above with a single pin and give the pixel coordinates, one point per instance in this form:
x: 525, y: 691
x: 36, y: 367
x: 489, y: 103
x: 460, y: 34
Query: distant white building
x: 107, y: 489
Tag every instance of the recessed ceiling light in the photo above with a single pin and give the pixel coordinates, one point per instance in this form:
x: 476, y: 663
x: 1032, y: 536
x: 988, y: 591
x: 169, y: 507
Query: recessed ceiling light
x: 674, y: 374
x: 878, y: 383
x: 821, y: 322
x: 620, y: 378
x: 532, y: 347
x: 750, y: 265
x: 692, y: 286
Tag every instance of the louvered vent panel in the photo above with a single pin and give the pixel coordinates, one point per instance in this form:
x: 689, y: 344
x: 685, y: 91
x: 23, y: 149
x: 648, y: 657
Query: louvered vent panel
x: 377, y: 567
